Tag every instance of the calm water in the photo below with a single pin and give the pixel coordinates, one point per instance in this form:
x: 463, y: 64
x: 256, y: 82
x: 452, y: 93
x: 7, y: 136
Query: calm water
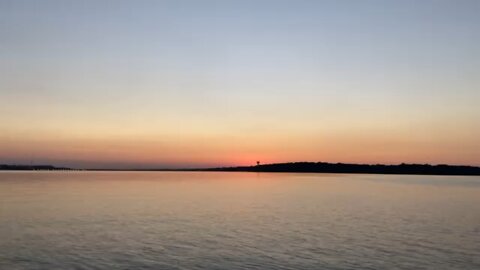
x: 188, y: 220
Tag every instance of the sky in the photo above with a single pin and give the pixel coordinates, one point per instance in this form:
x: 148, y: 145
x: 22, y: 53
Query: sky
x: 143, y: 84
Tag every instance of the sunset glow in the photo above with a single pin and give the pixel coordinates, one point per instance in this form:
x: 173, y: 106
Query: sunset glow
x: 108, y: 84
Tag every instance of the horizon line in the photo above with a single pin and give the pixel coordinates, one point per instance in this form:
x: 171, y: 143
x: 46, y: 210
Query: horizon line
x: 199, y: 168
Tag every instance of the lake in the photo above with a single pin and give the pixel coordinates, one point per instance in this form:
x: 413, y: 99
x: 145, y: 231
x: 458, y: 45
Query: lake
x: 237, y: 220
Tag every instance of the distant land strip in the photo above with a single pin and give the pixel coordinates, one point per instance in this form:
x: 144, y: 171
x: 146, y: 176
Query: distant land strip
x: 15, y: 167
x: 324, y: 167
x: 298, y: 167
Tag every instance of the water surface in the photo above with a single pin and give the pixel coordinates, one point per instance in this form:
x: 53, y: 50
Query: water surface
x: 219, y: 220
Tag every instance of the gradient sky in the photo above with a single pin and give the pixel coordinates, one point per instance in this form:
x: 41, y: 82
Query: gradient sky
x: 207, y: 83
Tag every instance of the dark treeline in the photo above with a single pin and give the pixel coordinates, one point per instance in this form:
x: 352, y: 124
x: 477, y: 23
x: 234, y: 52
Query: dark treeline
x: 323, y: 167
x: 30, y: 167
x: 305, y: 167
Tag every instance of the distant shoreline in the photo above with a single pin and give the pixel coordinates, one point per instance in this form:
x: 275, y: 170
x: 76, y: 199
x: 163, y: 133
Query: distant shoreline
x: 324, y: 167
x: 21, y: 167
x: 294, y: 167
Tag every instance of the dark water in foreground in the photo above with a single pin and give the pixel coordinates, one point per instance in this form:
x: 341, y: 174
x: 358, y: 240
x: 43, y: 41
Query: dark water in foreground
x: 200, y: 220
